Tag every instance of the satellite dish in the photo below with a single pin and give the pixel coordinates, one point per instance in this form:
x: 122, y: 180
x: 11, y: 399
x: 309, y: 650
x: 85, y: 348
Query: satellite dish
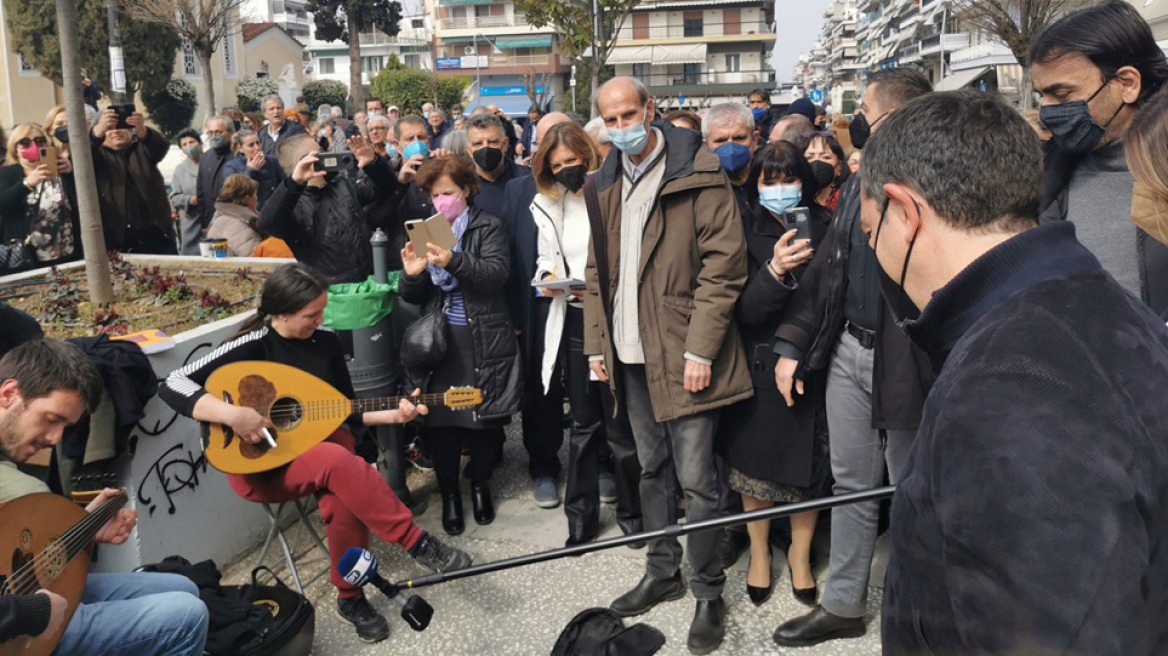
x: 469, y: 50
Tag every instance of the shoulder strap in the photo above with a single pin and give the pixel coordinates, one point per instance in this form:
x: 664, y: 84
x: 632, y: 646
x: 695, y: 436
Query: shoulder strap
x: 599, y: 237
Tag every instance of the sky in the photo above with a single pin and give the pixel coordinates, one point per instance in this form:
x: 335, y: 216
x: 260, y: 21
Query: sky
x: 797, y: 26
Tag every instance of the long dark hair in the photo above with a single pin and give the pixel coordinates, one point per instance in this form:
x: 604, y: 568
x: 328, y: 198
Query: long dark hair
x: 286, y: 291
x: 781, y: 158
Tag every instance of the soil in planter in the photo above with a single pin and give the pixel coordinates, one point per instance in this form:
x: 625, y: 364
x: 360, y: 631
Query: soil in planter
x: 145, y: 297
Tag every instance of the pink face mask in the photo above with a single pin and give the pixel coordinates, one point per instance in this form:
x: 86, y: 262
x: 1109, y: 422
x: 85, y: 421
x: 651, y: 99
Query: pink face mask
x: 450, y: 206
x: 31, y: 153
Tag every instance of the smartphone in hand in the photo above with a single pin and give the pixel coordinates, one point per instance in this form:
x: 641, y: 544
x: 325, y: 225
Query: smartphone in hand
x: 799, y: 219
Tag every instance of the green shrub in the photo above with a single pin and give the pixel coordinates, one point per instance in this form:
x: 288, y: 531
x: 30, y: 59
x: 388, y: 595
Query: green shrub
x: 326, y: 92
x: 409, y: 89
x: 250, y: 93
x: 172, y: 107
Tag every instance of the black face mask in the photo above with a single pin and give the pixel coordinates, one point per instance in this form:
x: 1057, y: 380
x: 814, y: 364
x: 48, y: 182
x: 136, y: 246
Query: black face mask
x: 824, y: 174
x: 899, y: 303
x: 488, y: 159
x: 573, y: 177
x: 859, y: 129
x: 62, y: 134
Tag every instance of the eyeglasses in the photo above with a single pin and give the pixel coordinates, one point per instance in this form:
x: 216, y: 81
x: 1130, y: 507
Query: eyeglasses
x: 26, y: 142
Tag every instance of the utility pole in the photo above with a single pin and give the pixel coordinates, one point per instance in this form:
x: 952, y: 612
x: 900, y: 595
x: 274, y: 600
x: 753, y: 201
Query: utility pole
x: 92, y: 238
x: 117, y: 60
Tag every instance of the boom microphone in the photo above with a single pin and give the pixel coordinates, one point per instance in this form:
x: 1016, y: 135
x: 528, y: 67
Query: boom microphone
x: 359, y: 567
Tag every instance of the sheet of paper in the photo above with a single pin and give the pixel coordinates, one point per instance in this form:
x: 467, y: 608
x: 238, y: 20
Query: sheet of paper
x: 562, y: 284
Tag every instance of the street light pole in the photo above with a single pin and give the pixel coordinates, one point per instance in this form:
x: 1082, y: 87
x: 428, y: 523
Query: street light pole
x: 117, y: 61
x: 478, y: 72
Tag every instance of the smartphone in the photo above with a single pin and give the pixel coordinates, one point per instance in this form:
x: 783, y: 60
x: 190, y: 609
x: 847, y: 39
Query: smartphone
x: 335, y: 162
x: 435, y: 230
x: 799, y: 218
x: 49, y: 158
x: 124, y: 112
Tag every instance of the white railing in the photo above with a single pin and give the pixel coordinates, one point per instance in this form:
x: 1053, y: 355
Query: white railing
x: 480, y: 22
x: 520, y: 60
x: 979, y: 51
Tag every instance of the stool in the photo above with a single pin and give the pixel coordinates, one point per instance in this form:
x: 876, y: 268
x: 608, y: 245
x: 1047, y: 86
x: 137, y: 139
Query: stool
x: 276, y: 531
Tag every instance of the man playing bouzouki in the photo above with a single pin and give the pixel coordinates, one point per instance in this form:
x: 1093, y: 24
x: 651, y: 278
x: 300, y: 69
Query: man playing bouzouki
x: 46, y: 385
x: 354, y: 500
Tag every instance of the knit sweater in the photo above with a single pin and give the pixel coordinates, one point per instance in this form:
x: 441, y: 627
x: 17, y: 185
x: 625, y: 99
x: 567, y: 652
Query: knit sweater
x: 1099, y: 204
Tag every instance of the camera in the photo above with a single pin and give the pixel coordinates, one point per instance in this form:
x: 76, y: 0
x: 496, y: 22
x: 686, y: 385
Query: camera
x: 335, y: 162
x: 124, y: 112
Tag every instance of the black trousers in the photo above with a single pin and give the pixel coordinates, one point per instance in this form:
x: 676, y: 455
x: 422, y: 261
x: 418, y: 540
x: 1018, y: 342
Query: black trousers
x: 446, y: 445
x: 543, y: 414
x: 582, y: 497
x: 626, y: 467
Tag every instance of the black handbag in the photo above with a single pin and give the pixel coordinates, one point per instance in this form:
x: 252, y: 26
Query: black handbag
x: 424, y: 341
x: 16, y: 256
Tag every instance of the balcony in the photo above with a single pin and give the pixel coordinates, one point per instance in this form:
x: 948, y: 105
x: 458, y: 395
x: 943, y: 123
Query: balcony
x: 520, y: 60
x: 481, y: 22
x: 709, y: 81
x: 909, y: 54
x: 982, y: 54
x: 944, y: 43
x: 694, y: 31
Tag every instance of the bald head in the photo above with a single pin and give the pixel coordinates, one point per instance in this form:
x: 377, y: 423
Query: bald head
x: 546, y: 123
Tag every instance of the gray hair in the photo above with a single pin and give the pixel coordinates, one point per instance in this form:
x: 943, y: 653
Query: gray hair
x: 244, y: 133
x: 228, y: 122
x: 794, y: 132
x: 725, y: 115
x: 323, y: 112
x: 638, y: 86
x: 976, y: 161
x: 456, y: 142
x: 336, y: 110
x: 596, y: 129
x: 379, y: 118
x: 439, y: 112
x: 271, y: 98
x: 485, y: 122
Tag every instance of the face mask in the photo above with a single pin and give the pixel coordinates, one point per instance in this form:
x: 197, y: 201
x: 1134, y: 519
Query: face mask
x: 426, y: 114
x: 824, y: 174
x: 573, y: 177
x: 416, y: 148
x: 853, y: 167
x: 630, y: 140
x: 450, y: 206
x: 900, y: 312
x: 780, y: 198
x: 217, y: 141
x: 62, y: 134
x: 193, y: 151
x: 373, y: 113
x: 859, y: 129
x: 488, y: 159
x: 323, y: 133
x: 390, y: 150
x: 734, y: 156
x: 1071, y: 125
x: 31, y: 153
x: 758, y: 113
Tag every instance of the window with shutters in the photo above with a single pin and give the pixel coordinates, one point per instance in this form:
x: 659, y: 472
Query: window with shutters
x: 327, y: 66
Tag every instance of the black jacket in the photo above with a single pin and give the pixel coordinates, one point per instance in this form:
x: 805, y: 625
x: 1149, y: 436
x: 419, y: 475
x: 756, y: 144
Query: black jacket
x: 481, y: 268
x: 212, y: 173
x: 1032, y: 516
x: 129, y: 382
x: 327, y: 227
x: 130, y: 187
x: 523, y: 237
x: 14, y: 216
x: 269, y: 175
x: 16, y: 328
x: 1059, y: 167
x: 286, y: 130
x: 814, y: 322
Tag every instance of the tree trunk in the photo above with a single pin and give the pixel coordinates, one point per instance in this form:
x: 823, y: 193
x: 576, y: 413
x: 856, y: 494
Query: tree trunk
x: 1025, y: 91
x: 208, y: 84
x: 595, y: 85
x: 356, y: 89
x: 97, y: 273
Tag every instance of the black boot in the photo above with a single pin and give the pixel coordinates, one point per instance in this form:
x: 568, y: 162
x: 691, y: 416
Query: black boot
x: 452, y: 513
x: 708, y: 627
x: 648, y: 593
x: 480, y: 498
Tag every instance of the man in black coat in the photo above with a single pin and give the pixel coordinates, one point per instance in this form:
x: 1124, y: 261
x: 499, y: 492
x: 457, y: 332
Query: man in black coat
x: 838, y: 325
x: 1032, y: 517
x: 220, y: 130
x: 278, y: 127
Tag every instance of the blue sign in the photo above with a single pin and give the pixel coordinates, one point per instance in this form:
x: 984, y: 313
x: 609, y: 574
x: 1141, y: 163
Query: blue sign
x: 508, y: 91
x: 681, y: 100
x: 816, y: 95
x: 449, y: 62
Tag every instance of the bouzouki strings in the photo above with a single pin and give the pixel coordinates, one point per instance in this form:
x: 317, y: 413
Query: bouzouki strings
x: 315, y: 409
x: 73, y: 540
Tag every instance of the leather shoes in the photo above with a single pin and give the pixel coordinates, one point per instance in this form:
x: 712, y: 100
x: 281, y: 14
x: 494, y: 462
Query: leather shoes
x: 816, y: 627
x: 452, y: 513
x: 731, y: 546
x: 480, y: 498
x: 648, y: 593
x: 708, y: 627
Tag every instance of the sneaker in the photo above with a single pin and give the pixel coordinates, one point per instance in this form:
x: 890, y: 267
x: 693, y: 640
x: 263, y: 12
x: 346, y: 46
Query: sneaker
x: 438, y: 557
x: 607, y: 488
x: 546, y: 495
x: 370, y: 624
x: 419, y: 457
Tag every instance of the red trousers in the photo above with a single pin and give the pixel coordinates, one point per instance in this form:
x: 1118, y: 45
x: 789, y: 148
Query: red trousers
x: 353, y: 499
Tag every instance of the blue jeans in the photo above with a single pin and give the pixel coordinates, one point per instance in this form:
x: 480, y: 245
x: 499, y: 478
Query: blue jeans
x: 137, y: 614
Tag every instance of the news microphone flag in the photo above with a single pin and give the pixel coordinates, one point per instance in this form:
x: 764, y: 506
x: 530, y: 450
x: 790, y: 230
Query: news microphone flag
x: 357, y: 566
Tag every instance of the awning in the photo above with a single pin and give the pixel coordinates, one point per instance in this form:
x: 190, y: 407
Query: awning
x: 511, y: 105
x: 452, y: 3
x: 694, y: 53
x: 544, y: 41
x: 961, y: 79
x: 631, y: 55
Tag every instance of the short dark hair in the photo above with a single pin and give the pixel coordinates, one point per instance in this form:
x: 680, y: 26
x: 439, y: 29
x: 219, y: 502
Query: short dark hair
x: 898, y: 86
x: 761, y: 93
x: 44, y: 365
x: 779, y: 158
x: 485, y: 122
x: 1111, y: 35
x: 187, y: 133
x: 376, y: 100
x: 460, y: 170
x: 689, y: 118
x: 976, y: 161
x: 407, y: 120
x: 534, y: 109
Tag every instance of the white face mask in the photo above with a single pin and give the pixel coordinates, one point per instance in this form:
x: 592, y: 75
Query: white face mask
x: 323, y: 133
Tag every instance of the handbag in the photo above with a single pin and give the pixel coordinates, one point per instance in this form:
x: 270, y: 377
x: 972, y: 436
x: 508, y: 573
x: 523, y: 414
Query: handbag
x: 16, y: 256
x: 424, y: 341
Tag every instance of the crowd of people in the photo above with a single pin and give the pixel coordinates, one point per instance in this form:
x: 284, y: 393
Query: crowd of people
x: 742, y: 307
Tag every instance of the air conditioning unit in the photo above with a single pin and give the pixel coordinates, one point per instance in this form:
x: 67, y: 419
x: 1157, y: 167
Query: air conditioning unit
x: 469, y: 51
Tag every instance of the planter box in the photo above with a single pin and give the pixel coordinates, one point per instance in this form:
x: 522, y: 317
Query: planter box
x: 184, y: 505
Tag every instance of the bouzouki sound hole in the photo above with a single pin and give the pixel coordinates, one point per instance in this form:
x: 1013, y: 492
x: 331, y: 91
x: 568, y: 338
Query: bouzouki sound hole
x: 287, y: 413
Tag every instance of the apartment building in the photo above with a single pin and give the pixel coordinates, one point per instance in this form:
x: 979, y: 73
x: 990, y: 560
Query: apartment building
x: 694, y: 54
x: 290, y: 15
x: 329, y: 60
x: 491, y: 42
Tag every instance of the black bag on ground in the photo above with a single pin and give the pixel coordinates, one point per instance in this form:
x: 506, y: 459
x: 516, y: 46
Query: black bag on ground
x: 247, y: 620
x: 601, y: 632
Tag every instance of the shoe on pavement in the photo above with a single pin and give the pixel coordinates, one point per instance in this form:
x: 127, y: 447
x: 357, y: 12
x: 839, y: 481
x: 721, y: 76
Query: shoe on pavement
x: 818, y: 626
x: 546, y: 495
x: 648, y: 593
x: 419, y: 456
x: 607, y: 488
x: 437, y: 556
x: 708, y: 627
x: 370, y: 624
x: 731, y: 545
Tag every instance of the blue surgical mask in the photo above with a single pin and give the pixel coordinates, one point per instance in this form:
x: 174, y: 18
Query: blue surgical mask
x: 758, y: 112
x: 416, y: 148
x: 390, y: 150
x: 630, y: 140
x: 780, y: 198
x: 734, y: 156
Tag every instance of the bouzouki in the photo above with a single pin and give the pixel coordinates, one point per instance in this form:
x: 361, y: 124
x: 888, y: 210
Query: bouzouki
x: 304, y: 410
x: 49, y: 537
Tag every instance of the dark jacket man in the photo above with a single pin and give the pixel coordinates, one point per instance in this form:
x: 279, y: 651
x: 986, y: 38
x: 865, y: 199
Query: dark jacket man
x: 130, y: 188
x: 269, y: 175
x: 212, y: 173
x: 288, y: 129
x: 522, y: 235
x: 686, y: 297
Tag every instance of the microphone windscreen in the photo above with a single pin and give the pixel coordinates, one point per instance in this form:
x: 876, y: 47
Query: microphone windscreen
x: 357, y: 566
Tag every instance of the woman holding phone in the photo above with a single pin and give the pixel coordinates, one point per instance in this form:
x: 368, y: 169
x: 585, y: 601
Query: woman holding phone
x: 777, y: 454
x: 38, y: 199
